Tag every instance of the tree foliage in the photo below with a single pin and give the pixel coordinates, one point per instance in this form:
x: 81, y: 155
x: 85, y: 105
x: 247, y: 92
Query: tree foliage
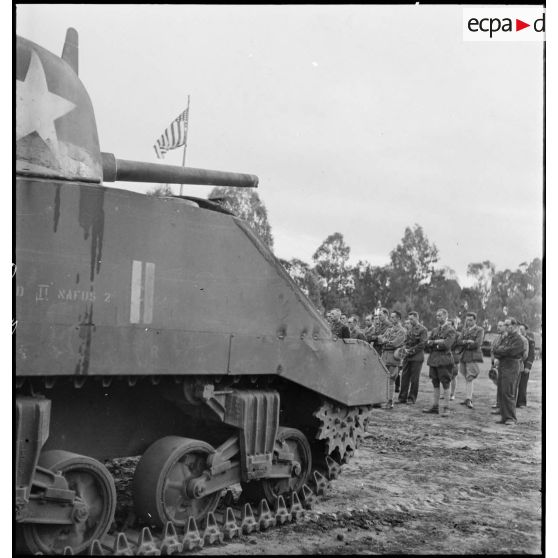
x: 162, y: 190
x: 516, y: 293
x: 246, y: 204
x: 371, y: 283
x: 413, y: 281
x: 306, y: 278
x: 443, y: 292
x: 412, y: 264
x: 331, y: 264
x: 483, y: 273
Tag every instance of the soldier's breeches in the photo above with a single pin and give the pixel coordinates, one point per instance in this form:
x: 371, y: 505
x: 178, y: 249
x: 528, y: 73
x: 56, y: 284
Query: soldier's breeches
x: 441, y: 375
x: 469, y: 369
x: 393, y: 372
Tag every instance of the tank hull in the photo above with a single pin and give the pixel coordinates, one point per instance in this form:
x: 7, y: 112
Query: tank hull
x: 113, y: 283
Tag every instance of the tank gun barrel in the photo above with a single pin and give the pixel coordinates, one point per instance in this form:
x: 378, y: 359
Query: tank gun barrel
x: 136, y: 171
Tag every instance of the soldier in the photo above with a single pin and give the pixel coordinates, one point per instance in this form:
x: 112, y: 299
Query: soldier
x: 440, y: 360
x: 354, y: 329
x: 369, y: 328
x: 413, y: 357
x: 509, y: 352
x: 338, y: 328
x: 375, y: 332
x: 381, y: 325
x: 407, y: 326
x: 372, y: 337
x: 527, y: 365
x: 392, y: 339
x: 456, y: 351
x: 470, y: 341
x: 501, y: 333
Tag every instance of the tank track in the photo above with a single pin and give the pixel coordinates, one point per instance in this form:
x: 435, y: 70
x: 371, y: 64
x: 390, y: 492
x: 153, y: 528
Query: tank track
x: 341, y: 431
x: 228, y: 523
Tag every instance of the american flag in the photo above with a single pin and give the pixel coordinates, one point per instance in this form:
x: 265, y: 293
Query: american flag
x: 174, y: 136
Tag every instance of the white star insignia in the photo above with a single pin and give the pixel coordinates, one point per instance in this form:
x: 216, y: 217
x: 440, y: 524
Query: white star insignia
x: 36, y: 107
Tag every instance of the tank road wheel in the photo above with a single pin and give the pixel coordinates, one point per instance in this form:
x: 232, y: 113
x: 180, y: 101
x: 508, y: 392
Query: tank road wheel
x: 161, y: 480
x: 294, y: 441
x: 94, y: 486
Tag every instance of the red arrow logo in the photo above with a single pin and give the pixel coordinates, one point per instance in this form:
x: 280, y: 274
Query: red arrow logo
x: 519, y: 25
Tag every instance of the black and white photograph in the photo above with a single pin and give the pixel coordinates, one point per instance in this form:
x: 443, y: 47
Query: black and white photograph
x: 278, y: 279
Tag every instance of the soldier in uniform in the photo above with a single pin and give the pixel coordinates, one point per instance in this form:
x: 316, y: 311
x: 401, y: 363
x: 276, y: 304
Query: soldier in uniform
x: 509, y: 352
x: 381, y: 325
x: 407, y: 326
x: 501, y: 331
x: 369, y: 328
x: 456, y: 351
x: 413, y: 357
x: 527, y: 365
x: 338, y: 328
x: 354, y: 328
x: 440, y: 360
x: 392, y: 339
x: 470, y: 340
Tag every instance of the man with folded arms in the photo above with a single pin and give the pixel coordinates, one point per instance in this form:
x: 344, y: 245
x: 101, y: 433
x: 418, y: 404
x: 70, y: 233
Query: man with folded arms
x: 392, y: 339
x: 470, y: 340
x: 338, y: 328
x: 501, y: 330
x: 413, y: 357
x: 509, y: 352
x: 440, y: 360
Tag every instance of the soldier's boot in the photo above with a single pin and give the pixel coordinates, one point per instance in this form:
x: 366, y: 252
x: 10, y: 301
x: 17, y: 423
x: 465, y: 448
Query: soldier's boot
x: 432, y: 411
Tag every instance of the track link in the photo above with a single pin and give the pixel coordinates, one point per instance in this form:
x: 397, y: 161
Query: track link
x: 228, y: 524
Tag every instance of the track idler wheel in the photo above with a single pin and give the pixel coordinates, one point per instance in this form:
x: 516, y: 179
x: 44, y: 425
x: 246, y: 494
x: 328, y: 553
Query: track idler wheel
x: 95, y: 491
x: 294, y: 441
x: 161, y: 481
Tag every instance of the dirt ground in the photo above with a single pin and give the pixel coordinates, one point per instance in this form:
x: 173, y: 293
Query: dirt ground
x: 427, y: 484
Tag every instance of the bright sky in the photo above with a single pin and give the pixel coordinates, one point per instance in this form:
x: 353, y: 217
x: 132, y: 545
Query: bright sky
x: 357, y: 119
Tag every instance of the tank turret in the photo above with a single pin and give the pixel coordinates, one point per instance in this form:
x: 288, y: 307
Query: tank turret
x: 56, y: 132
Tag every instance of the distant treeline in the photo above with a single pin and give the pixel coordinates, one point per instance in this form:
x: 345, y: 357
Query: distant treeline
x: 413, y: 281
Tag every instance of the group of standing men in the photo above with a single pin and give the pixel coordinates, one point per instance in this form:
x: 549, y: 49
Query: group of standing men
x: 402, y: 347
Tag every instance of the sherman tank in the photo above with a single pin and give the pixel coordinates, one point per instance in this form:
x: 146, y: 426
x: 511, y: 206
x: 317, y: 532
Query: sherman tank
x: 156, y: 327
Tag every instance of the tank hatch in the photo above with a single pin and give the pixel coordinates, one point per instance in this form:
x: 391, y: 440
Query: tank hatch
x: 56, y: 133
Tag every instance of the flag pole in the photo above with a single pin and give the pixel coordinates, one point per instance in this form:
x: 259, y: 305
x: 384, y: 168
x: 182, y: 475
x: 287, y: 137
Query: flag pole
x: 185, y: 137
